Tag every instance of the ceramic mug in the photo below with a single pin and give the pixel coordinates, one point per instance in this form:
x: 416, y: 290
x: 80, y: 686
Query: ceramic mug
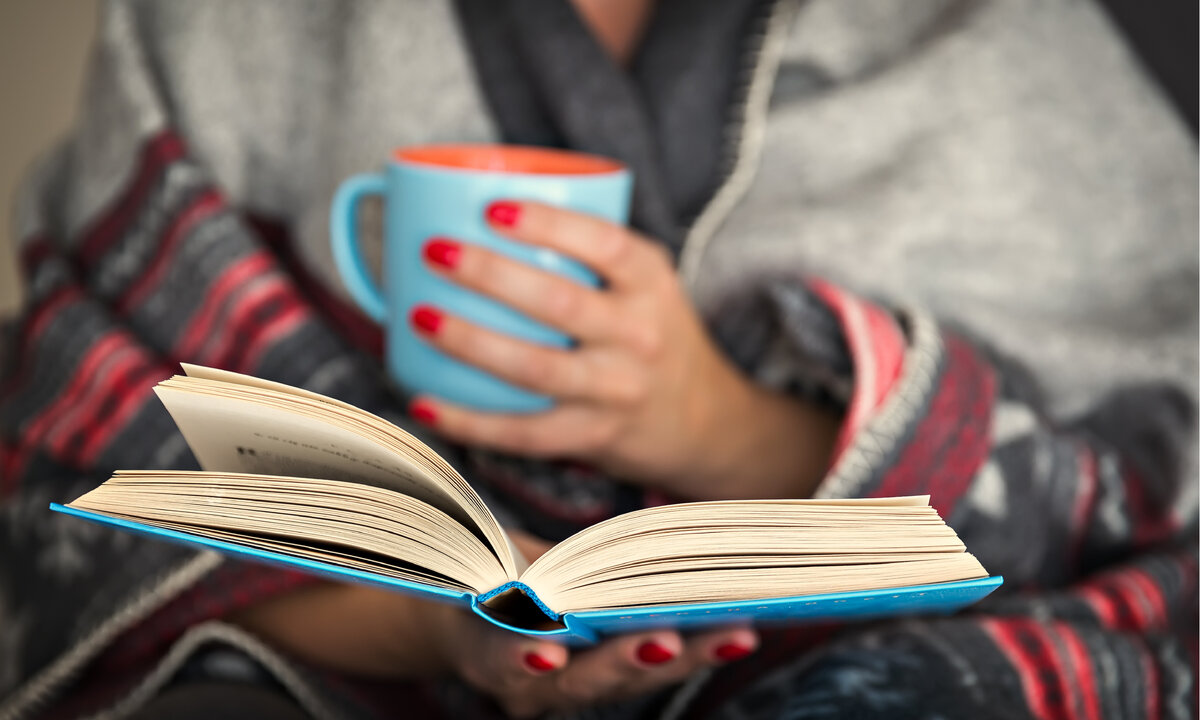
x: 444, y: 190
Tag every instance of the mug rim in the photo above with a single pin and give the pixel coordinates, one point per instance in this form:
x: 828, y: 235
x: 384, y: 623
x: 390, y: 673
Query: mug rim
x: 505, y: 159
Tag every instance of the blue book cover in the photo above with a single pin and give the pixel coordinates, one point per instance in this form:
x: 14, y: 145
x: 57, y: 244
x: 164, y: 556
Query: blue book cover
x: 589, y: 626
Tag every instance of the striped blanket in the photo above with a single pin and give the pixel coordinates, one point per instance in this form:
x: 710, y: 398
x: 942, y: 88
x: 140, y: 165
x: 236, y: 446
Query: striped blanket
x: 1099, y: 611
x: 1089, y: 518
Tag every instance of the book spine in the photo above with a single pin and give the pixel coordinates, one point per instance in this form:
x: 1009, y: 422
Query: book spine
x: 560, y: 627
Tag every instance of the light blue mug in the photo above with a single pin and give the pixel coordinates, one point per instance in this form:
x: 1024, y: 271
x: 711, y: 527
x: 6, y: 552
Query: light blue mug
x: 443, y: 190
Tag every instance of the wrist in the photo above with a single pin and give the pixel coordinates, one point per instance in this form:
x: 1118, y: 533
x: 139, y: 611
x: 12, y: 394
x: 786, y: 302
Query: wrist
x: 762, y: 444
x: 441, y: 624
x: 352, y: 628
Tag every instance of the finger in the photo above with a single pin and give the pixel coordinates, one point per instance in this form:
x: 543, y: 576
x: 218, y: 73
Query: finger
x: 655, y: 661
x: 618, y: 254
x: 542, y: 369
x: 581, y: 312
x: 617, y: 667
x: 721, y: 646
x: 525, y: 669
x: 598, y: 374
x: 506, y: 661
x: 540, y: 658
x: 567, y: 430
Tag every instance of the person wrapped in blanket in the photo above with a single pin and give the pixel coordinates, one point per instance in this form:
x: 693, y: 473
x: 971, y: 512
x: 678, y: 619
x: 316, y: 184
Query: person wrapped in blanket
x: 934, y: 247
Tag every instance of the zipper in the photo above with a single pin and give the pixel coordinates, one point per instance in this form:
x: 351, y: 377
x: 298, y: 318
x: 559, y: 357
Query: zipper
x: 748, y: 126
x: 43, y: 686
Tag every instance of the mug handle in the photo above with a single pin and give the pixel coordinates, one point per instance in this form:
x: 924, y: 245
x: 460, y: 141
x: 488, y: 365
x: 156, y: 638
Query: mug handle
x: 343, y: 235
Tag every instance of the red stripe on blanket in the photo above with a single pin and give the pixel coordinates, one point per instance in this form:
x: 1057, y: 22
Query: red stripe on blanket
x: 101, y: 351
x: 157, y: 153
x: 1023, y: 643
x: 90, y: 410
x: 1129, y: 611
x: 1151, y: 523
x: 1130, y: 599
x: 126, y: 399
x: 201, y: 208
x: 12, y: 461
x: 198, y: 331
x: 1128, y: 591
x: 1084, y: 673
x: 346, y: 319
x: 952, y: 439
x: 1151, y: 596
x: 1085, y: 500
x: 248, y: 317
x: 31, y: 330
x: 106, y: 388
x: 1101, y: 603
x: 1151, y: 687
x: 294, y: 314
x: 877, y: 351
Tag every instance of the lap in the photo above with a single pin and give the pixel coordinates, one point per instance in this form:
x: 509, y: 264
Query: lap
x: 220, y: 699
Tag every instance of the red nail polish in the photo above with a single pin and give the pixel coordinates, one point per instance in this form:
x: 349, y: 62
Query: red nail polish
x: 652, y: 653
x: 730, y: 652
x: 427, y: 319
x: 443, y: 252
x: 423, y: 413
x: 538, y: 663
x: 503, y: 212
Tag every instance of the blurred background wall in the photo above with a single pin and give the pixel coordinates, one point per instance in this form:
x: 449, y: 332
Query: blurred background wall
x: 43, y: 46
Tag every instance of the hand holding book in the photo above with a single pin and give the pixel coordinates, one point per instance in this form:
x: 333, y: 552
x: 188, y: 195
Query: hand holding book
x: 370, y: 632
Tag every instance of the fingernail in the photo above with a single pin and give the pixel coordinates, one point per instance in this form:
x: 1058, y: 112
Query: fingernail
x: 652, y: 653
x: 537, y: 663
x: 443, y: 252
x: 731, y: 651
x: 423, y: 412
x: 427, y: 319
x: 503, y: 212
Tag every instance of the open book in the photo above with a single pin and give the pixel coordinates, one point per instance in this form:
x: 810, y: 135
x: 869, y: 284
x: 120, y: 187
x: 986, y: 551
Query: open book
x: 299, y: 479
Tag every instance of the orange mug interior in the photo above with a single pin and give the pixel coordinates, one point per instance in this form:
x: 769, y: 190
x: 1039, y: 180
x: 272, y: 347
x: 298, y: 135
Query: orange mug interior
x: 508, y: 159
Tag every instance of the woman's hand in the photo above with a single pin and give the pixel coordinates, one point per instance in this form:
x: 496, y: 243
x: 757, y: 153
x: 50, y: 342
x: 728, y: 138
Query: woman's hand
x: 529, y: 677
x: 372, y: 632
x: 644, y: 395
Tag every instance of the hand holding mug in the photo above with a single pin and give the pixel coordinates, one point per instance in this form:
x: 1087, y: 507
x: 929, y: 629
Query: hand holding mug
x: 496, y: 320
x: 442, y: 190
x: 643, y: 394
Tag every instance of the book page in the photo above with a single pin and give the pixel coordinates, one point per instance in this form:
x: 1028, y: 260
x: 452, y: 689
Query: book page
x: 256, y: 429
x: 228, y: 376
x: 742, y: 550
x: 231, y: 435
x: 348, y: 523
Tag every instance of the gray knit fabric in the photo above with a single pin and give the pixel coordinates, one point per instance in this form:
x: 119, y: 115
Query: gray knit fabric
x: 923, y: 152
x: 955, y: 146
